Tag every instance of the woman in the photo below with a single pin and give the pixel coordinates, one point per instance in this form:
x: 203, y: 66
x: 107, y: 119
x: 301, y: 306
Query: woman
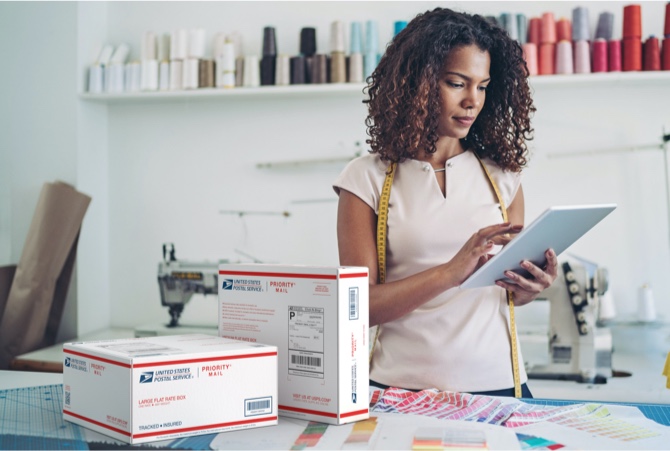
x: 450, y: 104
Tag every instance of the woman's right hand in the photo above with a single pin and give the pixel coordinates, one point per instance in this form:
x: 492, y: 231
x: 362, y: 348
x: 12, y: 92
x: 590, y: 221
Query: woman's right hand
x: 475, y: 252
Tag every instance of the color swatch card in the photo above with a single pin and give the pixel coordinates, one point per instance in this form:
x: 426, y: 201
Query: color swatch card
x: 453, y: 438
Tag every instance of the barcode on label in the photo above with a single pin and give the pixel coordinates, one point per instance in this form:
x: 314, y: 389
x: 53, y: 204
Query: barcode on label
x: 67, y: 398
x: 258, y: 406
x: 306, y: 360
x: 353, y: 303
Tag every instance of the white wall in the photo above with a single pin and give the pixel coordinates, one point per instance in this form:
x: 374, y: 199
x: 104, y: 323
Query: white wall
x: 161, y: 171
x: 38, y: 115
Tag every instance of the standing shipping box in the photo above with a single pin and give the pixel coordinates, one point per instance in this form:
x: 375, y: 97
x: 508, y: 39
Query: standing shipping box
x: 318, y: 319
x: 156, y: 388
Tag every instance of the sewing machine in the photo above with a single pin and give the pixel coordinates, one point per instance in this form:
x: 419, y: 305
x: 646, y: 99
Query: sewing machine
x: 179, y: 280
x: 579, y: 349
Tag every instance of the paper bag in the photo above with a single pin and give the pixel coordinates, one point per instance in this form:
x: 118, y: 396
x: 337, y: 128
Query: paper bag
x: 37, y: 294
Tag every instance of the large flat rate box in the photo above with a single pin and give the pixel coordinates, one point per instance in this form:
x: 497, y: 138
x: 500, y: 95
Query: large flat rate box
x: 318, y: 319
x: 155, y: 388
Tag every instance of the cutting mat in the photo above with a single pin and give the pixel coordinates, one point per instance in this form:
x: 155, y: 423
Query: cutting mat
x: 660, y: 413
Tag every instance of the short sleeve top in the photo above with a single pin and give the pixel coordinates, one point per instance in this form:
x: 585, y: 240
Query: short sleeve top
x: 458, y: 341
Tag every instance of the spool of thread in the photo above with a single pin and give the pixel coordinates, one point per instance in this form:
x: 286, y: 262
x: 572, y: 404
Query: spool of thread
x: 283, y: 72
x: 176, y: 71
x: 308, y: 41
x: 607, y: 309
x: 205, y: 73
x: 356, y: 44
x: 355, y: 74
x: 226, y: 66
x: 564, y: 61
x: 547, y: 31
x: 239, y: 71
x: 665, y: 55
x: 96, y: 79
x: 338, y: 67
x: 189, y: 75
x: 632, y: 22
x: 522, y: 27
x: 632, y: 54
x: 530, y: 56
x: 120, y: 55
x: 149, y: 75
x: 605, y: 25
x: 298, y: 70
x: 666, y: 25
x: 337, y: 37
x: 115, y: 78
x: 547, y: 59
x: 309, y: 69
x: 269, y: 42
x: 236, y: 38
x: 196, y: 43
x: 535, y: 31
x: 600, y: 63
x: 252, y: 77
x: 371, y: 37
x: 179, y: 45
x: 646, y: 310
x: 218, y: 42
x: 105, y: 55
x: 319, y: 69
x: 164, y: 76
x: 268, y: 68
x: 163, y: 47
x: 398, y: 26
x: 148, y: 47
x: 133, y: 76
x: 614, y: 55
x: 652, y: 54
x: 508, y: 22
x: 581, y: 30
x: 369, y: 64
x: 563, y: 30
x: 582, y: 57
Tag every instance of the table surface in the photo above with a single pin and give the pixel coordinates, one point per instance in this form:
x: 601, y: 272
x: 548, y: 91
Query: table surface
x: 639, y: 349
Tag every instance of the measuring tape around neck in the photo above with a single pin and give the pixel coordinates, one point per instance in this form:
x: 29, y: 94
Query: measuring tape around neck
x: 382, y: 218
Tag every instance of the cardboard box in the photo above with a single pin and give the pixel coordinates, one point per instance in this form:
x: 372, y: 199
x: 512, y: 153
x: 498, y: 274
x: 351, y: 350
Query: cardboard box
x: 318, y: 319
x: 156, y: 388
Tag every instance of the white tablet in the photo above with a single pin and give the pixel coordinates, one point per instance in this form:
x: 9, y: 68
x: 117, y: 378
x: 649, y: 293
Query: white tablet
x: 556, y: 228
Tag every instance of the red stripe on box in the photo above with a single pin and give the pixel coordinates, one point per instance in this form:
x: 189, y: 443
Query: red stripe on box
x: 353, y: 414
x: 277, y: 274
x: 313, y: 412
x: 354, y: 275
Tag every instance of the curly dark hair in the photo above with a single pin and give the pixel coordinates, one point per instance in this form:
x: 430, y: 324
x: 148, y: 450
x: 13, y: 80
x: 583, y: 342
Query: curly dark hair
x: 404, y: 99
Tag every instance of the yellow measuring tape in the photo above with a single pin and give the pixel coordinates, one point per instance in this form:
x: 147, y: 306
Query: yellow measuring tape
x: 382, y: 219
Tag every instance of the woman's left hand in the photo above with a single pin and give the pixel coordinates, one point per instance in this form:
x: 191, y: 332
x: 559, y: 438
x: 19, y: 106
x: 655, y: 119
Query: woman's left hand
x: 525, y: 290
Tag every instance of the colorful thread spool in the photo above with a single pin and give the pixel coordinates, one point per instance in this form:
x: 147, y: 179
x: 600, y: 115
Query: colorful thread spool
x: 530, y: 57
x: 580, y: 24
x: 665, y: 55
x: 605, y: 26
x: 632, y: 22
x: 547, y: 59
x: 600, y: 60
x: 582, y: 57
x: 614, y: 55
x: 548, y: 29
x: 563, y: 30
x: 564, y: 62
x: 535, y: 31
x: 632, y: 54
x: 652, y: 54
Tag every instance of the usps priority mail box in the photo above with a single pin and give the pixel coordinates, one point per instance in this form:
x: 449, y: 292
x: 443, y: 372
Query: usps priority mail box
x: 156, y: 388
x: 318, y: 319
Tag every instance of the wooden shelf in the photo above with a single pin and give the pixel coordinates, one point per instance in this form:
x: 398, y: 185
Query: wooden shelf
x: 627, y: 78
